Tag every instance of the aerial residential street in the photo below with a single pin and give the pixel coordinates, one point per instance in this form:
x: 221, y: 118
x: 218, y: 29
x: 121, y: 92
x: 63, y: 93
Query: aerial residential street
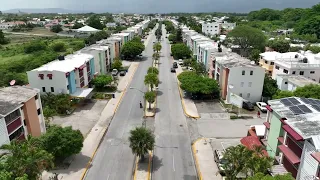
x: 114, y: 159
x: 172, y: 154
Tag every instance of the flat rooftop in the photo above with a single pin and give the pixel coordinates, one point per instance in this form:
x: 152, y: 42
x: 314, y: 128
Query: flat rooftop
x: 297, y: 79
x: 69, y: 64
x: 302, y: 114
x: 13, y: 97
x: 231, y: 59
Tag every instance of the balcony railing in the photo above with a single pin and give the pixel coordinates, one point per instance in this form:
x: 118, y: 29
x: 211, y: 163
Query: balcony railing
x: 14, y: 125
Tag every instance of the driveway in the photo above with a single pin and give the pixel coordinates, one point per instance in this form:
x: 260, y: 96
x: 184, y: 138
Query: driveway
x: 84, y: 117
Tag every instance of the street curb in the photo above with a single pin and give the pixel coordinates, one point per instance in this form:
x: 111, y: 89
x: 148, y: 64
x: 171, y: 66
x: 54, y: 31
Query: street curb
x: 149, y: 165
x: 196, y: 158
x: 106, y: 129
x: 135, y: 169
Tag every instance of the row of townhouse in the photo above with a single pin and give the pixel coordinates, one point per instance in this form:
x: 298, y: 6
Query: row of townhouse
x: 21, y: 114
x: 72, y: 74
x: 292, y: 69
x: 292, y: 136
x: 215, y: 28
x: 235, y: 74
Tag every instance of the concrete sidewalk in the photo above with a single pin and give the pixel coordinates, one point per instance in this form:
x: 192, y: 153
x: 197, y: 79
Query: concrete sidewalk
x: 204, y: 159
x: 188, y: 105
x: 81, y: 161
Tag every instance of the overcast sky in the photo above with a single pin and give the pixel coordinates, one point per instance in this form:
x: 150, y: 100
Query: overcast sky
x: 157, y: 6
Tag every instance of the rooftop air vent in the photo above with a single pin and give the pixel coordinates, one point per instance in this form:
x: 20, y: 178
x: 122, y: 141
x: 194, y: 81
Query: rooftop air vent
x: 305, y: 60
x: 219, y: 49
x: 60, y: 58
x: 296, y: 56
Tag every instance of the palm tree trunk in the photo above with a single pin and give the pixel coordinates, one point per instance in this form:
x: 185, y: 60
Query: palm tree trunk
x: 149, y: 105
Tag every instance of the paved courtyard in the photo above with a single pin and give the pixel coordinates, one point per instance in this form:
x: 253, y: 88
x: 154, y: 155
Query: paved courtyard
x: 84, y: 117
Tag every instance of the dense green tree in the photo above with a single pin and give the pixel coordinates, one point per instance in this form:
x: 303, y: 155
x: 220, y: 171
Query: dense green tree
x: 77, y: 25
x: 27, y: 158
x: 308, y: 91
x: 157, y: 47
x: 93, y: 38
x: 62, y: 142
x: 150, y: 96
x: 179, y: 35
x: 117, y: 64
x: 60, y: 103
x: 279, y: 45
x: 95, y: 22
x: 151, y: 79
x: 56, y: 28
x: 59, y: 47
x: 195, y: 84
x: 131, y: 49
x: 265, y: 15
x: 247, y: 37
x: 153, y: 70
x: 34, y: 46
x: 5, y: 175
x: 3, y: 40
x: 282, y: 94
x: 172, y: 38
x: 309, y: 26
x: 199, y: 68
x: 270, y: 87
x: 255, y: 55
x: 141, y: 141
x: 295, y: 49
x: 101, y: 81
x: 180, y: 51
x: 313, y: 49
x: 261, y: 176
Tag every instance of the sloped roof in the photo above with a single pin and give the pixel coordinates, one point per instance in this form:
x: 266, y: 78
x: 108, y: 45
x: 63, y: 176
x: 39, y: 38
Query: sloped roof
x: 87, y: 29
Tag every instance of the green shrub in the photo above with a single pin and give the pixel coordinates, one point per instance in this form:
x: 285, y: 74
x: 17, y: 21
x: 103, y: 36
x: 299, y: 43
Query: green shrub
x: 34, y: 46
x: 59, y: 47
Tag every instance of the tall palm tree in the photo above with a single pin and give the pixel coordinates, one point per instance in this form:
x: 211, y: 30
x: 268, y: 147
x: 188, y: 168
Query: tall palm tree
x: 141, y: 141
x: 26, y: 157
x: 151, y: 79
x: 150, y: 96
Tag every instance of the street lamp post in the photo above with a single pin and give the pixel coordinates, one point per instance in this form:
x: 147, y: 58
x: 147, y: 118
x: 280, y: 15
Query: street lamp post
x: 144, y: 122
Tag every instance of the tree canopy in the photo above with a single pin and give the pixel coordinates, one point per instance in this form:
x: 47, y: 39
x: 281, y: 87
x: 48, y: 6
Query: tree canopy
x: 261, y: 176
x: 270, y: 87
x: 117, y: 64
x: 279, y: 45
x: 180, y: 51
x: 131, y: 49
x: 193, y: 83
x: 56, y: 28
x: 95, y: 22
x: 153, y: 70
x: 157, y: 47
x: 150, y: 96
x: 308, y: 91
x: 3, y: 40
x: 151, y: 79
x: 247, y: 37
x: 62, y: 142
x: 102, y: 80
x: 141, y: 141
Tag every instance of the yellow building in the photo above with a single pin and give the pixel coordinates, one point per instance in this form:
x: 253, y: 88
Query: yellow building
x: 267, y: 61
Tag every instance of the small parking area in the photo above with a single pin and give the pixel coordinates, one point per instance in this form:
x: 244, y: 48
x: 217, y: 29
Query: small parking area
x: 84, y: 117
x: 209, y: 106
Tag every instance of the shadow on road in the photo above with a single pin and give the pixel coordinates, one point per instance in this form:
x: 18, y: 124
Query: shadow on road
x: 189, y: 177
x: 158, y: 110
x: 156, y: 163
x: 159, y: 93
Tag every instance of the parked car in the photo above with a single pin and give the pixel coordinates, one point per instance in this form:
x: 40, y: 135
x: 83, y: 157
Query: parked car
x: 247, y: 105
x: 173, y: 70
x: 180, y: 62
x: 262, y: 106
x: 123, y: 73
x: 218, y: 158
x: 175, y: 65
x: 114, y: 72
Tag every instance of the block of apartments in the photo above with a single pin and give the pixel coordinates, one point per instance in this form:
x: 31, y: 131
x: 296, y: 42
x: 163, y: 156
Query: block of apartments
x: 20, y: 114
x: 235, y: 74
x: 292, y: 136
x: 73, y: 73
x: 215, y: 28
x: 303, y: 63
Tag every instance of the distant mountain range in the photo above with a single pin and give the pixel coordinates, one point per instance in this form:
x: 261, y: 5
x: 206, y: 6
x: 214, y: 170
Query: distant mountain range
x: 42, y: 10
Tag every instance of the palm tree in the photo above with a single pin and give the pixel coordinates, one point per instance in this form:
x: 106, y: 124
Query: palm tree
x: 157, y: 47
x: 26, y: 157
x: 151, y: 79
x: 156, y: 56
x: 150, y: 96
x: 153, y: 70
x: 141, y: 141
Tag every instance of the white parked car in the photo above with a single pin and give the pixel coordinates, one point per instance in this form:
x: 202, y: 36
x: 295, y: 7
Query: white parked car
x: 180, y: 62
x: 262, y: 106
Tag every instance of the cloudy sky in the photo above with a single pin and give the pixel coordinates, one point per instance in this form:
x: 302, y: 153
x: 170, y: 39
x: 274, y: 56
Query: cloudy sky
x: 159, y: 6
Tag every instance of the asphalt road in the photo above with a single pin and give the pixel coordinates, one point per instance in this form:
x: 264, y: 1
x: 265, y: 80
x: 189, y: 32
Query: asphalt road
x: 114, y: 159
x: 173, y: 158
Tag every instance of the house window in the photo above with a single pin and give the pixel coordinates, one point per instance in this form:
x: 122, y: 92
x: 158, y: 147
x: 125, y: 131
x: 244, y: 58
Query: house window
x: 248, y: 95
x: 251, y: 73
x: 250, y: 84
x: 24, y: 122
x: 36, y: 97
x: 301, y: 73
x: 243, y: 72
x: 266, y: 62
x: 240, y: 94
x: 311, y: 72
x: 293, y: 72
x: 68, y: 87
x: 52, y: 89
x: 285, y: 82
x: 242, y: 83
x: 272, y: 63
x: 39, y: 111
x: 43, y: 89
x: 277, y: 67
x: 285, y: 71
